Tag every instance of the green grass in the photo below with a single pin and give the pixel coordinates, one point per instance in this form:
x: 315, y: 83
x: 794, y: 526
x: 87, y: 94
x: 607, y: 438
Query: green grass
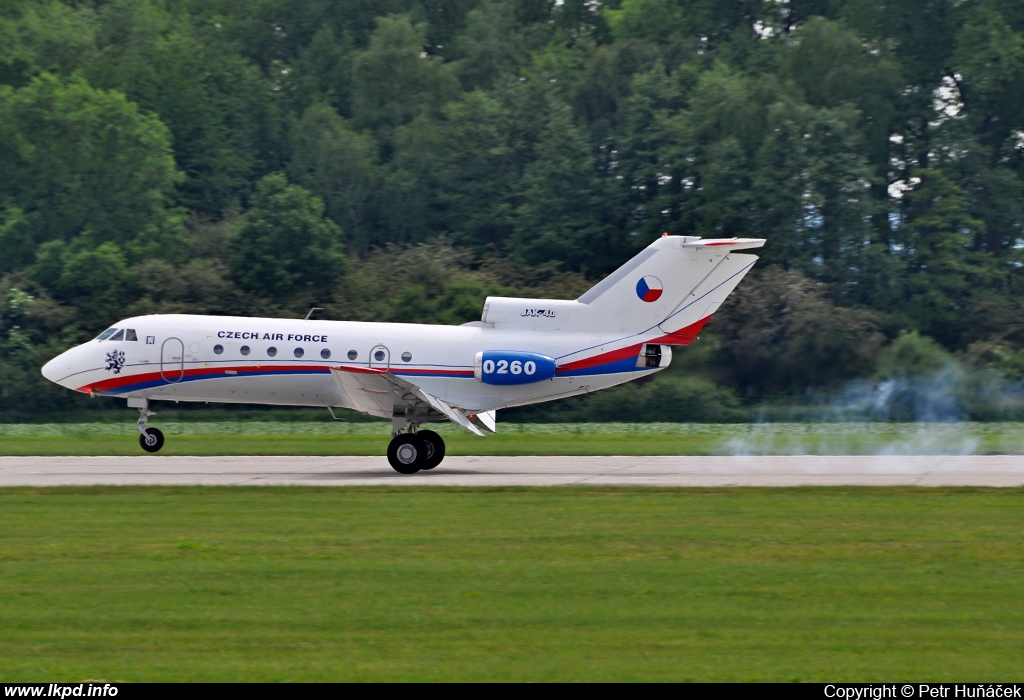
x: 326, y: 438
x: 351, y: 445
x: 511, y: 584
x: 500, y: 445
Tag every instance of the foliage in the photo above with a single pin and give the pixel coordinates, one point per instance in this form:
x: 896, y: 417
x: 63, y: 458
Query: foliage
x: 393, y: 81
x: 780, y: 331
x: 81, y: 165
x: 285, y: 245
x: 338, y: 165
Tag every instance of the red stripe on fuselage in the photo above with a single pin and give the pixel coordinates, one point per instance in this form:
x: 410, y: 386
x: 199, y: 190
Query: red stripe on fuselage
x: 124, y: 380
x: 240, y: 371
x: 683, y: 336
x: 611, y: 356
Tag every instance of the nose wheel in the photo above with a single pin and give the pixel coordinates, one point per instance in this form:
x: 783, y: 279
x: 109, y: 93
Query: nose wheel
x: 412, y: 452
x: 151, y: 440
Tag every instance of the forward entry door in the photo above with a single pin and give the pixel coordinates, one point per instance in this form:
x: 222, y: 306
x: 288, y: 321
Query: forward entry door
x: 172, y: 360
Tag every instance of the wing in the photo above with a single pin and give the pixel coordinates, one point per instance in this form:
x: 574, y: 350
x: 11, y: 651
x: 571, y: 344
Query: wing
x: 380, y: 393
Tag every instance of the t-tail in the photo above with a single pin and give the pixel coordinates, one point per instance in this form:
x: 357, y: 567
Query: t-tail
x: 666, y: 293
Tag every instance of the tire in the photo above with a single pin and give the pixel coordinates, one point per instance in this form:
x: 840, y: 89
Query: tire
x: 152, y: 441
x: 406, y: 454
x: 434, y: 451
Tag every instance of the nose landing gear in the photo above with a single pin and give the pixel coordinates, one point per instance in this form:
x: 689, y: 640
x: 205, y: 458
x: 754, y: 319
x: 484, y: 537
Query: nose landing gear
x: 150, y: 439
x: 409, y: 453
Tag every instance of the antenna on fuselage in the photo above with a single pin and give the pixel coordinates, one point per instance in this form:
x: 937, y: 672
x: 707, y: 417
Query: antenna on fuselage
x: 315, y: 308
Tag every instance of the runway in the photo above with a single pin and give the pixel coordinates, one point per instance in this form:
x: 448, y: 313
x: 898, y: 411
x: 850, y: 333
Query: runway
x: 936, y: 470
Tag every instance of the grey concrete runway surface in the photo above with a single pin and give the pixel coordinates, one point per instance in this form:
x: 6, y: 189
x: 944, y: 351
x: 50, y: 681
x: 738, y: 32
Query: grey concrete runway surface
x: 991, y: 470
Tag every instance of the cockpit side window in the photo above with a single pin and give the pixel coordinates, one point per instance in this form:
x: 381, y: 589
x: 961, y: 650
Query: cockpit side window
x: 130, y: 334
x: 118, y: 336
x: 106, y: 334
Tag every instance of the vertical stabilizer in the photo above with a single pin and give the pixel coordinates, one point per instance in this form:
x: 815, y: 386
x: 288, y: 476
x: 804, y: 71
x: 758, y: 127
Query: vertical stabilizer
x: 674, y: 283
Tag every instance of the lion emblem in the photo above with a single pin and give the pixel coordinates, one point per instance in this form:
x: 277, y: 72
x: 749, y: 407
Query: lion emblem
x: 115, y: 361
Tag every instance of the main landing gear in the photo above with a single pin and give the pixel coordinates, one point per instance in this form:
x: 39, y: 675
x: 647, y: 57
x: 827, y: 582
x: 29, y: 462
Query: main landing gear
x: 150, y: 439
x: 411, y: 452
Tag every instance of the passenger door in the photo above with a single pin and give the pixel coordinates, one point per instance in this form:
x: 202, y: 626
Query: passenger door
x: 172, y: 360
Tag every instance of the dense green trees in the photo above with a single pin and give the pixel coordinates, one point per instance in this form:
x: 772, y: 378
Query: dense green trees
x: 81, y: 166
x: 285, y: 246
x: 339, y: 165
x: 258, y: 157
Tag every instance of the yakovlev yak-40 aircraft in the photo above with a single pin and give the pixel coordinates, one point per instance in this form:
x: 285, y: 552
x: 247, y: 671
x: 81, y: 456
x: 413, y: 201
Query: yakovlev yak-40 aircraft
x: 521, y: 351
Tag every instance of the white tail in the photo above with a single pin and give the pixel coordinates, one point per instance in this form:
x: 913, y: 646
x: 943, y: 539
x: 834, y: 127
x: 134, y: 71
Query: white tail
x: 671, y: 287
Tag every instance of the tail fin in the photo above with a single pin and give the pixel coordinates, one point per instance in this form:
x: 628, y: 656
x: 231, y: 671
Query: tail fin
x: 674, y: 284
x: 672, y: 287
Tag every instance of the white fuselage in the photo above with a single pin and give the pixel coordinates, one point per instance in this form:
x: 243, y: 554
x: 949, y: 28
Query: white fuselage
x: 620, y: 329
x: 287, y: 362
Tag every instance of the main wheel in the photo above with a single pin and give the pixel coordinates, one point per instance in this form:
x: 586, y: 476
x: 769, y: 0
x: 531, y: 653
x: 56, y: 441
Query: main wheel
x: 152, y: 440
x: 435, y: 448
x: 406, y: 453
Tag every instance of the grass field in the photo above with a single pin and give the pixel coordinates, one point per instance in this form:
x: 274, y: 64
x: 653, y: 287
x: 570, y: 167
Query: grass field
x: 511, y: 584
x: 325, y: 438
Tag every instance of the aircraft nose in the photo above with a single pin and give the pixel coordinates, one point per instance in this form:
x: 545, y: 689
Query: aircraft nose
x: 50, y: 370
x: 58, y: 368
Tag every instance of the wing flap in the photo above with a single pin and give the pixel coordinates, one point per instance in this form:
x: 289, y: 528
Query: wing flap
x: 486, y: 420
x: 454, y: 415
x: 377, y: 392
x: 368, y: 392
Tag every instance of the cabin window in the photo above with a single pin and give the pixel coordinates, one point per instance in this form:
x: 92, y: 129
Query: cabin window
x: 406, y: 357
x: 118, y: 336
x: 379, y: 356
x: 352, y: 354
x: 244, y: 350
x: 218, y: 349
x: 271, y: 351
x: 106, y: 334
x: 299, y: 352
x: 325, y: 353
x: 130, y: 334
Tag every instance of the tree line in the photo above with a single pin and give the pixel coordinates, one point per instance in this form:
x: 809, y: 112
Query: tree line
x: 400, y: 160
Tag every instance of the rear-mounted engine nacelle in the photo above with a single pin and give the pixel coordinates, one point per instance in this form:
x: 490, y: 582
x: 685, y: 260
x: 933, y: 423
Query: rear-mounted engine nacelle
x: 654, y: 356
x: 505, y: 367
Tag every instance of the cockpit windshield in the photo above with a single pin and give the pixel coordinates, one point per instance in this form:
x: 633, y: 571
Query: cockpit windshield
x: 113, y: 334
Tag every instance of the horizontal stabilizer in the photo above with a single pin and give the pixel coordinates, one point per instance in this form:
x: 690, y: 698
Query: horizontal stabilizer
x: 729, y: 244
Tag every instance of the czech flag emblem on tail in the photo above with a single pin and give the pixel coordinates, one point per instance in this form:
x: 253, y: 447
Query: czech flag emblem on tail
x: 649, y: 288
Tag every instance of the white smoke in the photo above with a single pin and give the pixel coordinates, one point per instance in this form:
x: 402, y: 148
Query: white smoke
x: 900, y: 415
